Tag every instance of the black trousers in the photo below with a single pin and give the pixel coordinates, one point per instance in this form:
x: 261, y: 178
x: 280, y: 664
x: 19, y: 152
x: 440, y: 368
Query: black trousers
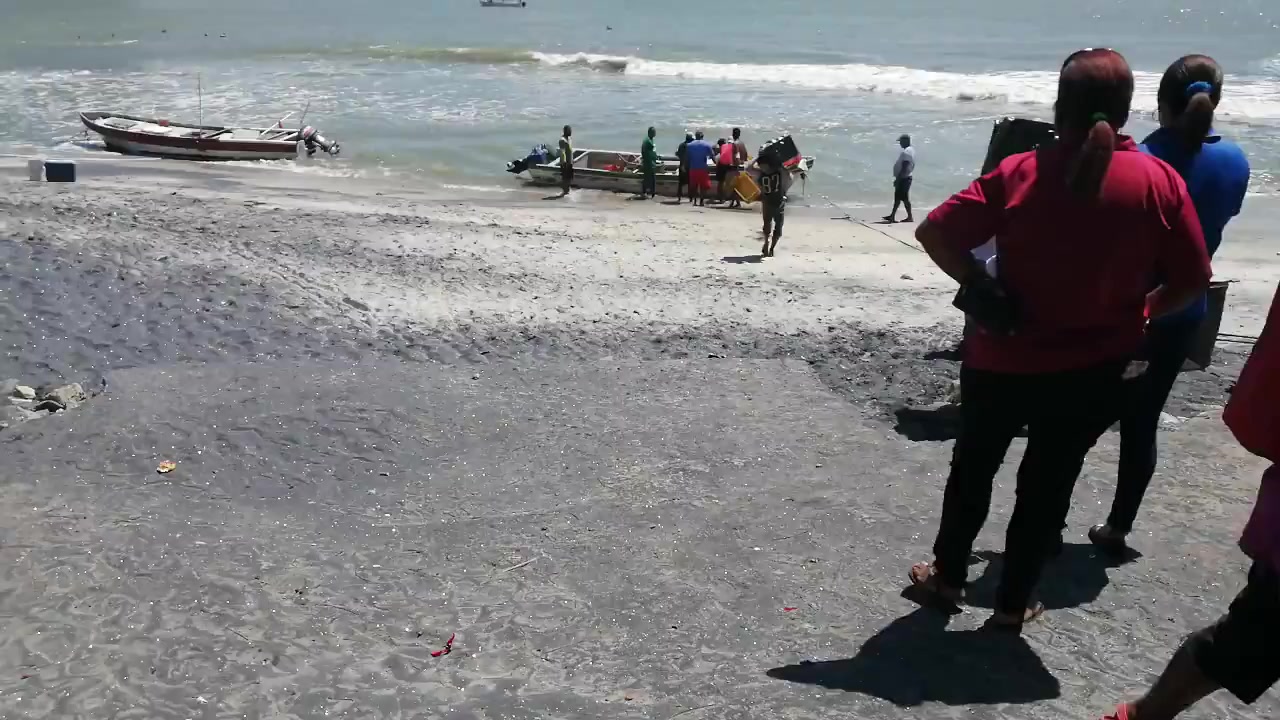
x: 649, y: 182
x: 1239, y: 651
x: 1065, y: 413
x: 775, y: 212
x: 682, y: 182
x: 1166, y: 350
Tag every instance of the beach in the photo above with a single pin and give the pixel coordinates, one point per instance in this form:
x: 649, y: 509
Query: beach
x: 631, y: 469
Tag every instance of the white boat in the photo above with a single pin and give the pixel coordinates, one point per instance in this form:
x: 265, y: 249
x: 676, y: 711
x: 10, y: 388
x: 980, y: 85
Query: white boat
x: 616, y: 171
x: 153, y: 136
x: 502, y: 3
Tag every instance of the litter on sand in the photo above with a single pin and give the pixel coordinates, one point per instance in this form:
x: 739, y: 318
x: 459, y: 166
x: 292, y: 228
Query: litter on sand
x: 448, y: 647
x: 167, y: 466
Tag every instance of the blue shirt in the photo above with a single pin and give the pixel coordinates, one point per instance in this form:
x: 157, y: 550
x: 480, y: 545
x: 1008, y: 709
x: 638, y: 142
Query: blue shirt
x: 699, y: 154
x: 1216, y: 178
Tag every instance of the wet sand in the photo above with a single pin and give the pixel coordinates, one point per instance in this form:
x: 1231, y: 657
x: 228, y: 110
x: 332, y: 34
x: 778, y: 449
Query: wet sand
x: 598, y: 439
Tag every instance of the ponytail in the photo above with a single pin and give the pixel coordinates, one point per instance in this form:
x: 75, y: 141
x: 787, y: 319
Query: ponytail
x: 1089, y: 170
x: 1197, y: 119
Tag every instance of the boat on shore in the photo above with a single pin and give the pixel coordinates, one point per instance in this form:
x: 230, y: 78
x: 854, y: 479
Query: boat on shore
x: 614, y: 171
x: 158, y: 137
x: 502, y: 3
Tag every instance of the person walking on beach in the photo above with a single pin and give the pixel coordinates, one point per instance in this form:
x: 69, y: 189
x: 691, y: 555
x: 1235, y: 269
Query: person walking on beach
x: 699, y: 154
x: 1081, y: 227
x: 1217, y: 176
x: 903, y: 168
x: 1239, y: 653
x: 566, y: 161
x: 649, y: 165
x: 682, y: 176
x: 724, y: 167
x: 774, y: 183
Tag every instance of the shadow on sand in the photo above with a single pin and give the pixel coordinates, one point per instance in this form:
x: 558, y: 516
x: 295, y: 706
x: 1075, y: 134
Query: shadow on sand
x: 740, y: 259
x: 915, y: 660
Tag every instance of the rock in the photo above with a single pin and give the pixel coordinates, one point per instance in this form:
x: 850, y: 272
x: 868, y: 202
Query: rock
x: 1170, y: 422
x: 49, y: 404
x: 67, y: 395
x: 907, y: 277
x: 24, y: 392
x: 355, y: 303
x: 12, y: 415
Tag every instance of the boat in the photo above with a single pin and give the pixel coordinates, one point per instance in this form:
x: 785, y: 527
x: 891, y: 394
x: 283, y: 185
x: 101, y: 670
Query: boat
x: 134, y: 135
x: 502, y: 3
x: 613, y: 170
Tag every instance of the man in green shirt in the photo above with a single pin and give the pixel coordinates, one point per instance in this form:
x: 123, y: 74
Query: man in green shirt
x: 649, y: 165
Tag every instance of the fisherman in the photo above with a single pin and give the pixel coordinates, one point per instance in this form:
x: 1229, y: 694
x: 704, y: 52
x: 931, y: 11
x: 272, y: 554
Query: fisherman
x: 682, y: 179
x: 774, y: 183
x: 649, y: 165
x: 740, y: 158
x: 903, y: 168
x: 566, y: 161
x: 699, y: 154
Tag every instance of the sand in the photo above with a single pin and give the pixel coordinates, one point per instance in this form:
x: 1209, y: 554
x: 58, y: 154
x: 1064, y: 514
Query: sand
x: 598, y: 440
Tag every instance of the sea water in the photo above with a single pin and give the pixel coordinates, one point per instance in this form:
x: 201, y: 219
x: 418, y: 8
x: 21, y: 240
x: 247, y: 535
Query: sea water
x: 445, y: 91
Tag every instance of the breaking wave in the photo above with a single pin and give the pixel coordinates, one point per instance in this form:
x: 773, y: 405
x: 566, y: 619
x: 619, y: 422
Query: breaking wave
x: 1251, y: 97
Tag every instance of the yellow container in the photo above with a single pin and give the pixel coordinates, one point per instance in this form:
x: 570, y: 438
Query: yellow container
x: 746, y: 188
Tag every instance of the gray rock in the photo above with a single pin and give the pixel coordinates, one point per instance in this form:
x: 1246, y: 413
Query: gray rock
x: 13, y: 415
x: 24, y: 392
x: 355, y: 303
x: 67, y: 395
x: 1170, y: 422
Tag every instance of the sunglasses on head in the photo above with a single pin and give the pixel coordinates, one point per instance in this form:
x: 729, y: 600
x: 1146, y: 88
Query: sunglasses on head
x: 1081, y: 52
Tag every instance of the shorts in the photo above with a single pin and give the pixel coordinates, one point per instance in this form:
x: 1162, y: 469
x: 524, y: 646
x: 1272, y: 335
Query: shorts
x: 901, y: 189
x: 1241, y: 651
x: 699, y: 179
x: 722, y: 172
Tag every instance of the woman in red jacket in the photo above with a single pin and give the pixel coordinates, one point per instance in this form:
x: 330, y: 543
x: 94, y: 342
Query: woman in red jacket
x: 1080, y: 227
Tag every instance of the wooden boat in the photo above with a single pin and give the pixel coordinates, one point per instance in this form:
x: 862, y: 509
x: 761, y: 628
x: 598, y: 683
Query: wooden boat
x: 152, y: 136
x: 615, y: 171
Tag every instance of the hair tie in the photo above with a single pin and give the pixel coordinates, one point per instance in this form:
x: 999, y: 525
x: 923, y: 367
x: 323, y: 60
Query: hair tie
x: 1197, y: 87
x: 1099, y: 117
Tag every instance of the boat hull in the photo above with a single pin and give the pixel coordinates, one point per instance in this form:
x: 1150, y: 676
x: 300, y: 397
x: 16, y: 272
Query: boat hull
x: 187, y: 148
x: 615, y: 180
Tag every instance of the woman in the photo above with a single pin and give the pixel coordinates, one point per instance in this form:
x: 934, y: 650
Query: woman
x: 1080, y: 227
x: 1217, y: 174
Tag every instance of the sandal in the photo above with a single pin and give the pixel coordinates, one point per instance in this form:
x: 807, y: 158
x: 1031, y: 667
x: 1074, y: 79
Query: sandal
x: 925, y: 579
x: 1106, y: 540
x: 1012, y: 621
x: 1121, y: 713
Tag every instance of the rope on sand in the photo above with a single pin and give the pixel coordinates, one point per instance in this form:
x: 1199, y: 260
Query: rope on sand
x: 849, y: 216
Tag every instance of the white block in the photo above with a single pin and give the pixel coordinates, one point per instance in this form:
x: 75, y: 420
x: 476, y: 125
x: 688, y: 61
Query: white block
x: 35, y: 169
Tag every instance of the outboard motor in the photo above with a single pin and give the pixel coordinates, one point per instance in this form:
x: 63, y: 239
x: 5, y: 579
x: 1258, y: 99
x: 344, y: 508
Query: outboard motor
x: 314, y: 140
x: 537, y: 156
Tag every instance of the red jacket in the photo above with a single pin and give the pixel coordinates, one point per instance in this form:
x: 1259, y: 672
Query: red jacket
x: 1253, y: 414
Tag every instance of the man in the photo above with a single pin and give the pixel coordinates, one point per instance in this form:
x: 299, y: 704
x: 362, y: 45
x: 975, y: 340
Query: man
x: 649, y: 165
x: 1239, y: 652
x: 682, y: 179
x: 739, y: 162
x: 566, y: 161
x: 699, y: 154
x: 774, y: 183
x: 903, y: 167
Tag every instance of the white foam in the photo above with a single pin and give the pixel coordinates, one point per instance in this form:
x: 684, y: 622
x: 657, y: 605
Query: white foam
x: 1248, y: 97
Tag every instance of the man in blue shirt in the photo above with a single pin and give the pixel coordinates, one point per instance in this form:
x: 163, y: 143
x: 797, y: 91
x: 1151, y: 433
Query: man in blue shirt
x: 699, y: 154
x: 1217, y: 174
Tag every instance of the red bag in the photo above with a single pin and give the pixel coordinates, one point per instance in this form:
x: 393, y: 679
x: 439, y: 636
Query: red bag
x: 1253, y: 413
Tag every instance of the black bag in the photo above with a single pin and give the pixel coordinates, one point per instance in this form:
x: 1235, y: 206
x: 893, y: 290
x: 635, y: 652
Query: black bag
x: 1011, y: 136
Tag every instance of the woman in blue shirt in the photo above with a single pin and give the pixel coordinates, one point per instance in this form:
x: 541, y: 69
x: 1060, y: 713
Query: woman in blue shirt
x: 1216, y: 173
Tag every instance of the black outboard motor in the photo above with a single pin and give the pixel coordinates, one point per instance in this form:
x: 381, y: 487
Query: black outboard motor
x: 537, y: 156
x: 313, y: 140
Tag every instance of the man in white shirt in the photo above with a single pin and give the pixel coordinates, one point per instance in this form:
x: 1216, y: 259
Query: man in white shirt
x: 902, y: 171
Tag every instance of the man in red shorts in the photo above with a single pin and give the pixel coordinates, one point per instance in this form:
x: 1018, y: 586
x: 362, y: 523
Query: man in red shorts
x: 699, y: 153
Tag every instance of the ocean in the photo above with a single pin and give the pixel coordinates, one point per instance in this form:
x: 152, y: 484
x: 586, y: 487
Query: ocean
x: 446, y: 92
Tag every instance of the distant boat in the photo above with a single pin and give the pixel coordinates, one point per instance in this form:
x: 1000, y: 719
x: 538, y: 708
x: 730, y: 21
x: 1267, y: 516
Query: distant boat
x: 151, y: 136
x: 502, y: 3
